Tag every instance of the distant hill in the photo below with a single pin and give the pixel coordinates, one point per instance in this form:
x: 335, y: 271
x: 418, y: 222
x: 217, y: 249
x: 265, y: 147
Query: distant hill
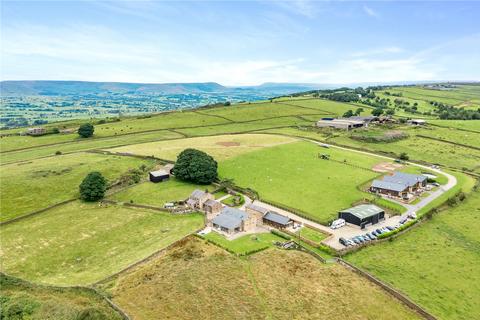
x: 55, y: 88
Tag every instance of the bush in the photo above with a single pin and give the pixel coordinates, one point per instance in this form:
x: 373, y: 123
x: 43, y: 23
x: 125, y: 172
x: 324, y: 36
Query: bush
x: 93, y: 187
x: 281, y: 234
x: 195, y: 166
x: 57, y: 153
x: 403, y: 156
x: 86, y: 130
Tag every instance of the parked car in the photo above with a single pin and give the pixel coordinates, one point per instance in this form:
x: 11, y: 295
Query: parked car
x: 371, y: 236
x: 385, y: 229
x: 356, y: 241
x: 413, y: 215
x: 390, y: 228
x: 337, y: 224
x: 379, y: 231
x: 343, y: 241
x: 403, y: 220
x: 350, y: 242
x: 360, y: 239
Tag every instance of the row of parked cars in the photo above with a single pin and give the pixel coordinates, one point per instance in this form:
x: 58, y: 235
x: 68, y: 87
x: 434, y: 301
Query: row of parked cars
x: 370, y: 236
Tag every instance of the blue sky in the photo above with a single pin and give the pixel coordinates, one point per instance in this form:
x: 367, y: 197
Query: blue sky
x: 240, y: 43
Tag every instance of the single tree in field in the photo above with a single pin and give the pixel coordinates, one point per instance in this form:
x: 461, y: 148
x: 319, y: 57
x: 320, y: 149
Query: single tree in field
x: 86, y: 130
x: 348, y: 114
x: 93, y: 187
x: 358, y: 111
x: 377, y: 112
x: 195, y: 166
x: 404, y: 156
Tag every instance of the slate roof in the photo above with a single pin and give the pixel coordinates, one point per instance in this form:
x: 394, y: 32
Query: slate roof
x: 277, y: 218
x: 159, y: 173
x: 230, y: 218
x: 364, y: 210
x: 211, y: 203
x: 197, y: 194
x: 257, y: 208
x: 387, y: 185
x: 405, y: 178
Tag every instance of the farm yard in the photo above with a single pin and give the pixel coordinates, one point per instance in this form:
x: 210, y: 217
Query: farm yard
x: 251, y: 287
x: 322, y: 187
x: 422, y: 263
x: 38, y: 184
x: 80, y: 243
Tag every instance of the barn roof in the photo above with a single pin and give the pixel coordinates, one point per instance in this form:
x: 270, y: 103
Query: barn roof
x: 198, y: 194
x: 277, y: 218
x: 159, y: 173
x: 257, y: 208
x: 388, y: 185
x: 363, y: 211
x: 230, y: 218
x: 405, y: 178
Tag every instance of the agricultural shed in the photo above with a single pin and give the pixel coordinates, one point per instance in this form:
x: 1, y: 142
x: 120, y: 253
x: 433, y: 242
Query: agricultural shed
x: 362, y: 215
x: 277, y: 220
x: 159, y: 175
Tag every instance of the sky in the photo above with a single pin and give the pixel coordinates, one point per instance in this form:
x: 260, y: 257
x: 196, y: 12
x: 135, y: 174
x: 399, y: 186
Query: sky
x: 240, y: 42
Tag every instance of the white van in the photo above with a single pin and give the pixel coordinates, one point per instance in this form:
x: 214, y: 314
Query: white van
x: 337, y: 224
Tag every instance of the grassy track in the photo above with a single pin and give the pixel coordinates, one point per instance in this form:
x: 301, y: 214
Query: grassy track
x: 82, y: 243
x: 201, y: 279
x: 220, y: 147
x: 422, y: 264
x: 293, y: 175
x: 27, y: 187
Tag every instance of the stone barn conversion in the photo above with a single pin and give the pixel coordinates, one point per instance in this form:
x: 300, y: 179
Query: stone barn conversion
x: 362, y: 215
x: 232, y: 220
x: 399, y: 184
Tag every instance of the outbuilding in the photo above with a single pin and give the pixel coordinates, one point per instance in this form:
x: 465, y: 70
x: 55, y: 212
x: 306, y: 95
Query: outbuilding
x: 276, y: 220
x: 362, y: 215
x: 159, y: 175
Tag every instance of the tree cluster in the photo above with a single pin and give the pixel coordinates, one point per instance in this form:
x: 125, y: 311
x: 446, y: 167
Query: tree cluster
x: 195, y: 166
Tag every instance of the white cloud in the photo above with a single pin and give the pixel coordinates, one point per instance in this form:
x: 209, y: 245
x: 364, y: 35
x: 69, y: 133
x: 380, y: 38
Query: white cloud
x: 369, y: 11
x: 378, y: 51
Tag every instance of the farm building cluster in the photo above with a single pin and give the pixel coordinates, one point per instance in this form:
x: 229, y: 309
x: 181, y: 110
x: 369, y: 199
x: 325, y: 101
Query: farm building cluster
x: 400, y: 185
x: 351, y: 122
x: 161, y: 174
x: 229, y: 221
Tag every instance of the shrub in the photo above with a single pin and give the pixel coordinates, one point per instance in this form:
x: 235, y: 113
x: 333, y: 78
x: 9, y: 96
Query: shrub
x: 58, y: 153
x: 86, y: 130
x: 93, y: 187
x: 195, y: 166
x: 281, y: 234
x: 403, y: 156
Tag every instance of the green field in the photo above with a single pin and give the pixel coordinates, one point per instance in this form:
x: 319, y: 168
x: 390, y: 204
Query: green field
x: 436, y: 264
x: 244, y: 244
x: 82, y: 243
x: 294, y: 176
x: 312, y: 235
x: 27, y: 187
x: 157, y: 194
x: 473, y: 125
x: 220, y: 147
x: 201, y: 279
x: 23, y: 300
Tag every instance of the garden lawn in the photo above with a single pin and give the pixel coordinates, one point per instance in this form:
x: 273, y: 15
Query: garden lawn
x: 81, y: 243
x: 312, y: 235
x: 38, y: 184
x: 157, y: 194
x: 22, y: 300
x: 245, y: 244
x: 293, y: 175
x: 202, y: 279
x: 220, y: 147
x: 436, y: 264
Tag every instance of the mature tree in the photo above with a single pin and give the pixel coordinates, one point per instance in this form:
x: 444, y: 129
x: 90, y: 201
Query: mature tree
x: 404, y: 156
x: 195, y: 166
x: 390, y: 112
x: 358, y: 111
x: 93, y: 187
x: 348, y: 114
x: 86, y: 130
x: 377, y: 112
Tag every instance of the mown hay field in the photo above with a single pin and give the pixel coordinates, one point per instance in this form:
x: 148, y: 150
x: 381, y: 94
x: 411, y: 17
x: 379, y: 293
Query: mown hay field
x: 220, y: 147
x: 436, y: 264
x: 80, y: 243
x: 38, y: 184
x: 202, y: 280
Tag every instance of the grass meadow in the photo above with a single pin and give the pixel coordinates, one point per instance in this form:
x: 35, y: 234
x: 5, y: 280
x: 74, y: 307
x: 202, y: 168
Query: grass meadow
x: 244, y: 244
x: 34, y: 185
x: 293, y: 175
x: 220, y: 147
x: 22, y: 300
x: 157, y: 194
x: 202, y: 279
x: 80, y: 243
x: 436, y: 264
